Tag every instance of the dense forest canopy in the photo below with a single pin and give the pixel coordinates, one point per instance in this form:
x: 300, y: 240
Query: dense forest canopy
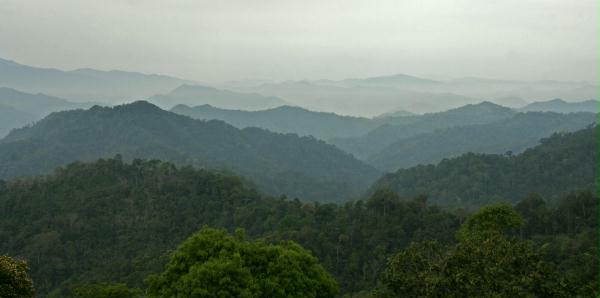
x: 111, y: 221
x: 561, y: 163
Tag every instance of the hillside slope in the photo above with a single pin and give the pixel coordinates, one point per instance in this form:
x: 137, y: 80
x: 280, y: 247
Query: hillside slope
x: 378, y: 139
x: 562, y: 163
x: 286, y: 119
x: 277, y: 163
x: 514, y: 134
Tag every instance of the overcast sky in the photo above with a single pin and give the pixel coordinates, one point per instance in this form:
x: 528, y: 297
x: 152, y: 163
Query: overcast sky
x: 313, y: 39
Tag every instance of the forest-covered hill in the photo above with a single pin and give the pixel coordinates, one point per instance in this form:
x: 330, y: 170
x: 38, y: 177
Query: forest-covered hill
x: 515, y: 134
x: 111, y: 221
x: 278, y: 163
x: 378, y: 139
x: 561, y: 163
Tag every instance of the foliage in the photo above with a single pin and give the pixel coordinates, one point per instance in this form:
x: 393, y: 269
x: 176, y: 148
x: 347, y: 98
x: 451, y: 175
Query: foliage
x: 490, y: 221
x: 14, y: 281
x: 113, y: 221
x: 483, y: 264
x: 560, y: 164
x: 213, y: 264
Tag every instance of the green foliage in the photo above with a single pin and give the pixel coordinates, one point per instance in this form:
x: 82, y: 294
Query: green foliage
x: 14, y: 281
x: 484, y: 264
x: 490, y: 221
x: 113, y: 221
x: 560, y: 164
x: 105, y: 290
x: 213, y: 264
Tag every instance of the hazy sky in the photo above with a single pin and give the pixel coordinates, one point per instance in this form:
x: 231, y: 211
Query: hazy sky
x: 278, y: 39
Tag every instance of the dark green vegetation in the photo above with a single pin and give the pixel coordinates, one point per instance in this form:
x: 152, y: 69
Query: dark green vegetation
x: 486, y: 262
x: 560, y: 106
x: 111, y: 221
x: 199, y: 95
x: 378, y: 139
x: 85, y: 84
x: 515, y: 134
x: 114, y: 222
x: 277, y: 163
x: 562, y: 163
x: 213, y: 264
x: 287, y: 119
x: 14, y: 281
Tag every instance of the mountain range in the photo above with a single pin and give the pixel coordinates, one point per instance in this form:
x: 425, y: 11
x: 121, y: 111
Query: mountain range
x: 278, y: 163
x: 378, y: 139
x: 287, y: 119
x: 204, y: 95
x: 85, y: 84
x: 562, y: 163
x: 560, y: 106
x: 18, y: 109
x: 512, y: 135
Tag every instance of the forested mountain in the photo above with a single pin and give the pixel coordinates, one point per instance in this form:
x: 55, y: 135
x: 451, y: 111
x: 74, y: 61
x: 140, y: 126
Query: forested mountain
x: 202, y: 95
x: 560, y: 106
x: 286, y: 119
x: 111, y: 221
x: 561, y: 163
x: 514, y: 134
x: 277, y: 163
x: 85, y: 84
x: 376, y: 140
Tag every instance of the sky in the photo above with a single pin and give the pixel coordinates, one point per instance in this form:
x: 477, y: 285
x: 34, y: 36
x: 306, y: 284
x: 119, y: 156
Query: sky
x: 220, y: 40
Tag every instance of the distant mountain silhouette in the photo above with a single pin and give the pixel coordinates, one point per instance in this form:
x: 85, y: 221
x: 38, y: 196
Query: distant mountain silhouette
x: 277, y: 163
x: 560, y: 106
x: 378, y: 139
x: 18, y: 108
x: 286, y: 119
x: 193, y: 95
x: 514, y: 134
x: 85, y: 84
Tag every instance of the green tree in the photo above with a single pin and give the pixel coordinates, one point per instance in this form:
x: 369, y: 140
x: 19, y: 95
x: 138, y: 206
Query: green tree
x: 485, y: 263
x: 211, y: 263
x: 14, y: 281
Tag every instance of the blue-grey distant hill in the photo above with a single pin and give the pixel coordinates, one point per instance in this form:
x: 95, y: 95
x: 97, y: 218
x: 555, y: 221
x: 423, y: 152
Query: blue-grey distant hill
x: 278, y: 163
x: 513, y: 135
x: 194, y: 95
x: 18, y: 108
x: 85, y: 84
x: 288, y: 119
x: 376, y: 140
x: 561, y: 163
x: 560, y: 106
